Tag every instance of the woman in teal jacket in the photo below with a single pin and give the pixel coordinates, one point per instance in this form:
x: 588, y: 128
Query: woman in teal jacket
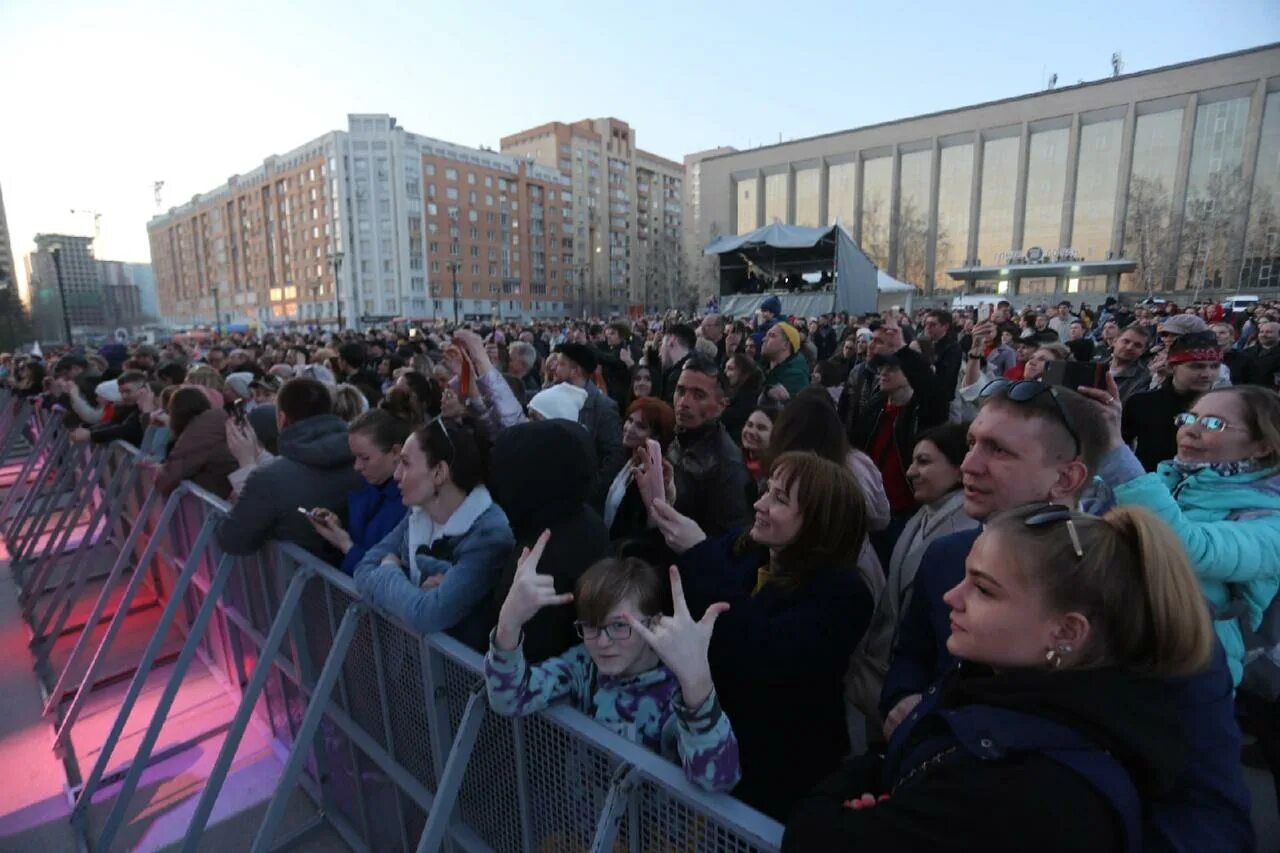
x: 1221, y: 495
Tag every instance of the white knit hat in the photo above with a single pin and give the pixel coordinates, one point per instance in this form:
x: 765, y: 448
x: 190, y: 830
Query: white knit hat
x: 563, y: 401
x: 109, y: 391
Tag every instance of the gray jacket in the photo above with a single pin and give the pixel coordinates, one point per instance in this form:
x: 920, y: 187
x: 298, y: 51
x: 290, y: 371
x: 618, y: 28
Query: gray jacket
x: 312, y: 470
x: 871, y: 659
x: 600, y: 418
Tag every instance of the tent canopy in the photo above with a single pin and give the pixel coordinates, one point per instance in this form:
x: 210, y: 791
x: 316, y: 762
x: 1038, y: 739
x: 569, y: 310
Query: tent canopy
x: 798, y: 249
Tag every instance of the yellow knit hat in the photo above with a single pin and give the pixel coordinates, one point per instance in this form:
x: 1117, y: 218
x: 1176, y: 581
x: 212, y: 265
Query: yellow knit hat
x: 793, y: 337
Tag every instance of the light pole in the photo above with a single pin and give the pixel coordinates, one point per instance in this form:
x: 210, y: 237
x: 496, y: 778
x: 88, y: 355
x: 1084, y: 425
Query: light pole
x: 453, y: 269
x: 335, y: 261
x: 217, y: 311
x: 56, y: 251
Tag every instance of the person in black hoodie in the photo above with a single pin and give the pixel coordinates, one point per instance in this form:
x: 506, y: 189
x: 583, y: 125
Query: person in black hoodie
x: 542, y: 475
x: 1056, y: 731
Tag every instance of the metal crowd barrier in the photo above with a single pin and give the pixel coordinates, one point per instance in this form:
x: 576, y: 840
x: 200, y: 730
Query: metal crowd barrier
x: 388, y: 733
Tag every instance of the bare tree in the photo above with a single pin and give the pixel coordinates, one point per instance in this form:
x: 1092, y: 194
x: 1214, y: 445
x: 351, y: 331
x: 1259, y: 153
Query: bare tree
x: 1148, y: 232
x: 1208, y: 221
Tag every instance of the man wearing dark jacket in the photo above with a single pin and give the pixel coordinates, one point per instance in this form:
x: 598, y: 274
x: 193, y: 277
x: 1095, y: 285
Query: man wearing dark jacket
x: 886, y: 432
x: 351, y: 362
x: 947, y: 357
x: 599, y: 415
x: 542, y: 474
x: 126, y: 420
x: 1262, y: 357
x: 677, y: 345
x: 614, y: 366
x: 313, y: 470
x: 710, y: 477
x: 1025, y: 452
x: 1147, y: 422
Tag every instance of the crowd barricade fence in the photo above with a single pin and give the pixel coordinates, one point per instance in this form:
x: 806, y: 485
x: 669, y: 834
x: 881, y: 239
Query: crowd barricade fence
x: 388, y: 733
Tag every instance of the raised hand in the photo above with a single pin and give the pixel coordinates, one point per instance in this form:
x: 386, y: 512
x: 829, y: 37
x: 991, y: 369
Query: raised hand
x: 648, y: 471
x: 680, y: 531
x: 326, y: 523
x: 682, y: 643
x: 1106, y: 402
x: 530, y: 592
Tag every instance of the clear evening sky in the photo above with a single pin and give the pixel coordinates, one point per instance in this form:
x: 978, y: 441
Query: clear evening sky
x: 104, y: 98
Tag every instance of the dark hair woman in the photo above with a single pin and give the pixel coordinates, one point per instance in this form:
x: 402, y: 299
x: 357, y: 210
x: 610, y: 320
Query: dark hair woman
x: 199, y: 451
x: 436, y: 570
x: 744, y: 379
x: 618, y: 498
x: 797, y: 608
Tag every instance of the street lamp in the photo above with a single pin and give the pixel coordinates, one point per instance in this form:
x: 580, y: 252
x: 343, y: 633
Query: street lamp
x: 217, y: 311
x: 335, y: 261
x: 56, y: 251
x: 453, y: 270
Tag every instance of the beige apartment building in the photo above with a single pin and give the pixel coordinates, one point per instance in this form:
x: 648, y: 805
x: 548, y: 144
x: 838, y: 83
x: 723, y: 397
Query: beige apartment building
x: 366, y: 225
x: 1163, y: 182
x: 626, y: 214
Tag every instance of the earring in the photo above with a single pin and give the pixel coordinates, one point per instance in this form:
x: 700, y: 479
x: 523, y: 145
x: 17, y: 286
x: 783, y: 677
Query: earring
x: 1054, y: 657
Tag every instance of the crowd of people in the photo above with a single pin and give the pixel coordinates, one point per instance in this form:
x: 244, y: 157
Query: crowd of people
x: 954, y: 579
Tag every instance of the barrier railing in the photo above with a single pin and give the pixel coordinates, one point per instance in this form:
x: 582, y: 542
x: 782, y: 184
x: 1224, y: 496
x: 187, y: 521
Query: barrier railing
x: 387, y: 732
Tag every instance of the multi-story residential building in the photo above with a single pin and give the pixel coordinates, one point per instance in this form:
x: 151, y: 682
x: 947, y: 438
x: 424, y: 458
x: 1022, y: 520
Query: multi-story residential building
x: 362, y: 226
x: 8, y: 274
x: 625, y: 213
x: 1163, y: 182
x: 71, y: 257
x: 700, y: 270
x: 122, y: 300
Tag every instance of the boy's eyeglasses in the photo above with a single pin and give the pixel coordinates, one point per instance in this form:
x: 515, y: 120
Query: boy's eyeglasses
x: 1052, y: 514
x: 1212, y: 423
x: 616, y: 631
x: 1028, y: 390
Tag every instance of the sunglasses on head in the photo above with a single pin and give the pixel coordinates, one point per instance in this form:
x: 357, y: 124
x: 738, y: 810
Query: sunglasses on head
x: 1052, y: 514
x: 1027, y: 391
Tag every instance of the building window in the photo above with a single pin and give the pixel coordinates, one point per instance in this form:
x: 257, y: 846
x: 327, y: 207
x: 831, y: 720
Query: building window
x: 451, y: 174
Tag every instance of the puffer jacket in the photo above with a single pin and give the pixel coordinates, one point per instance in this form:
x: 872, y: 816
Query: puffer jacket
x: 1236, y: 562
x: 312, y: 470
x: 200, y: 455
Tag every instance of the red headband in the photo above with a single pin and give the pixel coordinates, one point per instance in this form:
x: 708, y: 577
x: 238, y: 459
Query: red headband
x: 1195, y: 355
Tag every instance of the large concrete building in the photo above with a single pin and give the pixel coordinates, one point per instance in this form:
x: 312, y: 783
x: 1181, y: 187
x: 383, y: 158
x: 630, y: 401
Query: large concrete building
x: 8, y: 274
x: 1164, y: 181
x: 79, y: 293
x: 626, y: 213
x: 365, y: 225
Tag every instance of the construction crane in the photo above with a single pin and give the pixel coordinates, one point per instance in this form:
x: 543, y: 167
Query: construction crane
x: 97, y: 220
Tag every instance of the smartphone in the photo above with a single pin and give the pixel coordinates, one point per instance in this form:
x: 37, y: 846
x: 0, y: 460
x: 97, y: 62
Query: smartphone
x: 1077, y: 374
x: 237, y: 411
x: 309, y: 513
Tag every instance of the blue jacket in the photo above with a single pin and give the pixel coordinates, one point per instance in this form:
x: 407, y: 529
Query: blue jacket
x: 372, y: 513
x: 1238, y: 563
x: 470, y: 563
x: 1208, y: 807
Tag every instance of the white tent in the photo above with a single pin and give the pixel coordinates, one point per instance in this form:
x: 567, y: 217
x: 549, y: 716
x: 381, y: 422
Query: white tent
x: 886, y: 283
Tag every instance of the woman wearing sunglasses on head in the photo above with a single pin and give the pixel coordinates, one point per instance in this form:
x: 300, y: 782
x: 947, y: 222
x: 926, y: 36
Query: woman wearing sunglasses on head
x: 436, y: 570
x: 1056, y: 729
x: 1220, y: 494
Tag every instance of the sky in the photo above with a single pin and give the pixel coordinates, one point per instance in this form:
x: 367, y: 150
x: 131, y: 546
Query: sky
x: 102, y: 99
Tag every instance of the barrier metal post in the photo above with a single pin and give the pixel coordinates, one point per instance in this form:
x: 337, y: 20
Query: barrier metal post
x: 615, y: 809
x: 140, y: 761
x: 16, y: 498
x: 249, y: 698
x: 64, y: 467
x: 307, y: 730
x: 81, y: 498
x: 446, y: 799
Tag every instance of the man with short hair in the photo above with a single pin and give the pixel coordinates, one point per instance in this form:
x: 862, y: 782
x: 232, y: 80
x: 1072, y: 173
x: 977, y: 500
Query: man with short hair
x: 1262, y: 357
x: 1147, y: 424
x: 1046, y: 449
x: 216, y: 357
x: 1060, y: 322
x: 352, y: 357
x: 786, y: 371
x: 1127, y: 369
x: 712, y: 329
x: 313, y: 470
x: 127, y: 417
x: 616, y: 357
x: 770, y: 310
x: 947, y: 357
x: 599, y: 414
x: 676, y: 347
x: 710, y: 477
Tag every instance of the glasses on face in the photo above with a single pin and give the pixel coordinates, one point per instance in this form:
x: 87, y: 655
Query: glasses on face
x: 1028, y: 390
x: 615, y: 631
x: 1211, y: 423
x: 1052, y: 514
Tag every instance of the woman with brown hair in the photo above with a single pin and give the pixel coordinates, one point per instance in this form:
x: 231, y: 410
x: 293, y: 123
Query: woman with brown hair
x: 199, y: 452
x: 797, y: 608
x: 1057, y: 729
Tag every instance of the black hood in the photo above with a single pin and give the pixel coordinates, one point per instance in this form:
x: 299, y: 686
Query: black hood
x: 319, y: 442
x: 1131, y: 716
x: 542, y: 472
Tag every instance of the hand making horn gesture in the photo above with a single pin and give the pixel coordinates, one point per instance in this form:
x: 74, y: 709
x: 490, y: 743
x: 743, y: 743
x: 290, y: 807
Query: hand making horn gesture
x: 682, y: 643
x: 530, y: 592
